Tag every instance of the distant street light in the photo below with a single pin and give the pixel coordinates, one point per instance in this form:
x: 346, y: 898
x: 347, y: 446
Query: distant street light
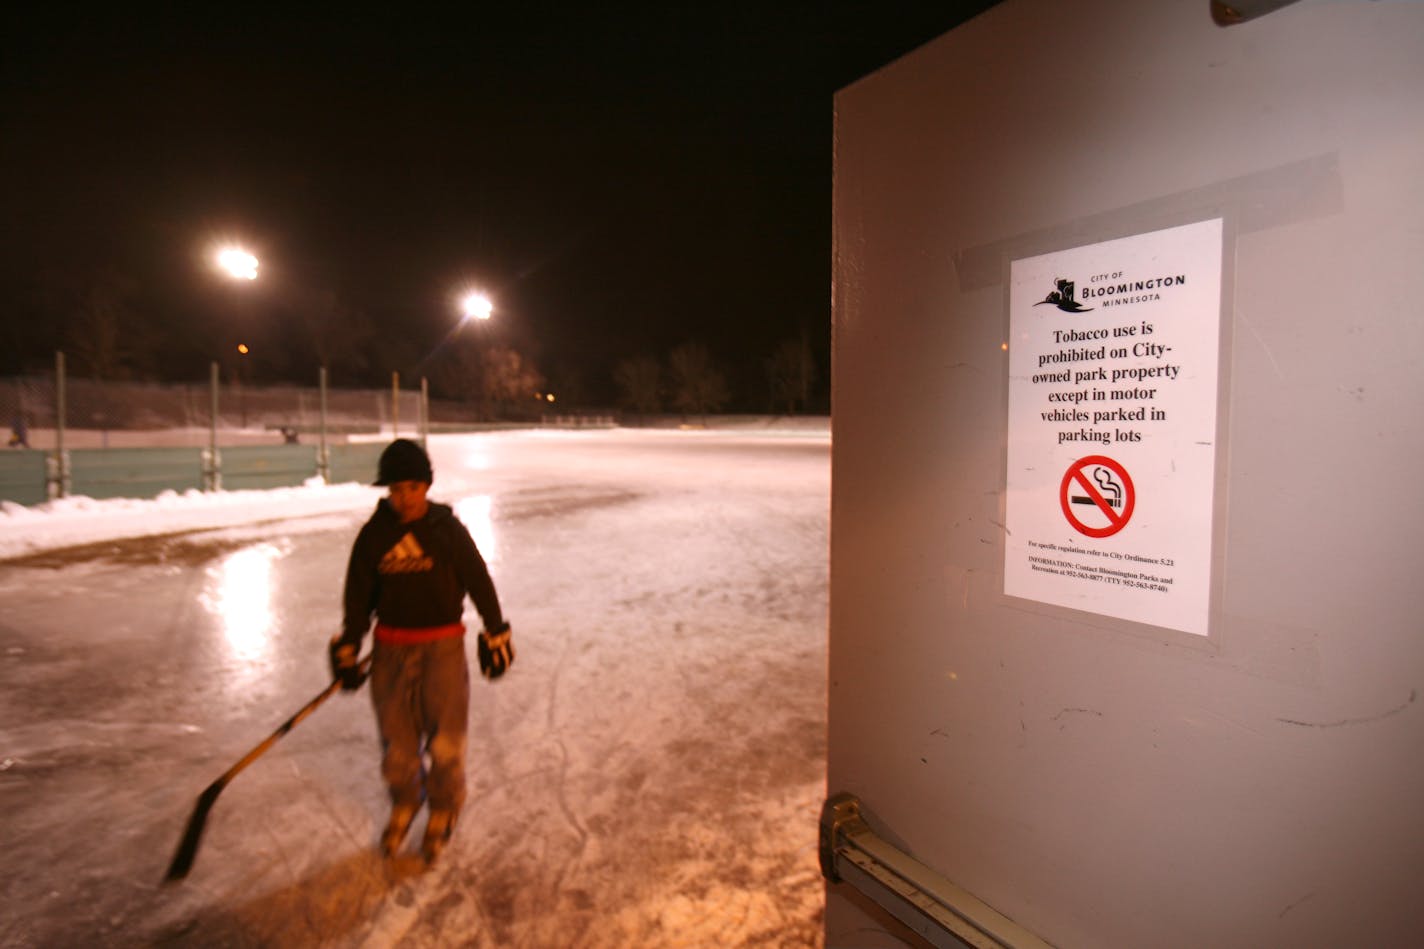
x: 477, y: 306
x: 237, y: 263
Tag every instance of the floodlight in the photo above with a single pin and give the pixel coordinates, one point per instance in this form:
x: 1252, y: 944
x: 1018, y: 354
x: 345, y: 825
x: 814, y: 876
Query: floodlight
x: 237, y: 263
x: 477, y: 306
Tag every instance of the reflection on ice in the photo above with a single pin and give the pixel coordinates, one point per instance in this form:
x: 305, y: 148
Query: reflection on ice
x: 475, y: 456
x: 474, y: 512
x: 239, y: 595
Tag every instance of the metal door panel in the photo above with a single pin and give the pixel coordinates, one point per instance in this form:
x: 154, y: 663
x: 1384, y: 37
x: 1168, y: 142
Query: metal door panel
x: 1100, y: 782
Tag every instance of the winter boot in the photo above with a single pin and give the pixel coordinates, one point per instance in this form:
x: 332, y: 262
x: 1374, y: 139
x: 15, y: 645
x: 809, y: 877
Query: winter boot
x: 396, y: 828
x: 437, y: 834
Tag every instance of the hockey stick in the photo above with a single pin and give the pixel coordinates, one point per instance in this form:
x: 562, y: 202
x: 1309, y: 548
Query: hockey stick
x: 193, y: 833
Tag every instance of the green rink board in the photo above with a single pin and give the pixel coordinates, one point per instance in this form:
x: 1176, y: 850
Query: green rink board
x: 134, y: 472
x: 355, y: 462
x: 255, y: 467
x: 147, y: 472
x: 22, y: 476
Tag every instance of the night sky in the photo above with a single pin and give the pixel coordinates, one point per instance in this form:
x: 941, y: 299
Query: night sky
x: 619, y: 179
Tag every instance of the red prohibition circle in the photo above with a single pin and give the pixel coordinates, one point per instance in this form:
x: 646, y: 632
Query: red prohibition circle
x: 1116, y: 521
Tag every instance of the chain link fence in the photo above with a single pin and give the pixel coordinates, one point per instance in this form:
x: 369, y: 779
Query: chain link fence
x: 137, y: 439
x: 138, y: 414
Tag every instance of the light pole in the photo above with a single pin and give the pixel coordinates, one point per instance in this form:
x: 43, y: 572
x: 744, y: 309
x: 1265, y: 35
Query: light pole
x: 476, y: 306
x: 242, y: 353
x: 237, y: 264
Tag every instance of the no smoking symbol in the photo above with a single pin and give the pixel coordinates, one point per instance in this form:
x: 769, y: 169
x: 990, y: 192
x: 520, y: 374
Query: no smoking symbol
x: 1099, y: 488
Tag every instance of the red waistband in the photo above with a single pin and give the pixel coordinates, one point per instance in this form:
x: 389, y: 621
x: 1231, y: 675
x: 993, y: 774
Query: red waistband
x: 411, y: 635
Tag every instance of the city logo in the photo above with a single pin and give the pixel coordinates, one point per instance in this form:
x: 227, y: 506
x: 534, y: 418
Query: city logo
x: 1063, y: 297
x: 1110, y: 289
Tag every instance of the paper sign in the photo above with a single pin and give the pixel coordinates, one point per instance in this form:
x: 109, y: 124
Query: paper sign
x: 1113, y: 352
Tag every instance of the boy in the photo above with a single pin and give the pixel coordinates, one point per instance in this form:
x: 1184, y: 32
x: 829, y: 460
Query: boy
x: 411, y: 566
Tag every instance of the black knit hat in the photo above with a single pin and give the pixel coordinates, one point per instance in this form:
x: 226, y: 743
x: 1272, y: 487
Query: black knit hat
x: 404, y: 460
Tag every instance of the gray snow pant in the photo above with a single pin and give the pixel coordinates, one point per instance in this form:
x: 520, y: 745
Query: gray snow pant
x: 421, y: 694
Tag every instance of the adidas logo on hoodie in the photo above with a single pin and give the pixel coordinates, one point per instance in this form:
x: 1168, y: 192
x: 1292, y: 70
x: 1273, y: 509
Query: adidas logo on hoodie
x: 406, y: 557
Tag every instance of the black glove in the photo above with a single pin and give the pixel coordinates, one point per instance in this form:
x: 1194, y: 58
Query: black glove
x: 344, y: 666
x: 496, y: 652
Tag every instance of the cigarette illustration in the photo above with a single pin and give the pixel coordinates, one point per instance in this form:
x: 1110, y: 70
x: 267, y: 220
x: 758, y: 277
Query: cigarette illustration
x: 1112, y: 491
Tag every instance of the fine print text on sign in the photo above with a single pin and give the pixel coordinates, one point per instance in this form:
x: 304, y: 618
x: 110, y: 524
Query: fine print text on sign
x: 1113, y: 352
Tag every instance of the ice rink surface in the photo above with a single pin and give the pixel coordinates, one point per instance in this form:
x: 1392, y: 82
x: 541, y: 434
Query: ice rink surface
x: 649, y: 773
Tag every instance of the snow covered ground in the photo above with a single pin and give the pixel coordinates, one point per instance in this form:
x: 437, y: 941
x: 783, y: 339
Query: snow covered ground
x: 649, y: 773
x: 73, y: 521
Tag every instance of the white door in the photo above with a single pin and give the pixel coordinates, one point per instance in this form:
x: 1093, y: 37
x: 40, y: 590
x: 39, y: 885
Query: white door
x: 1193, y: 719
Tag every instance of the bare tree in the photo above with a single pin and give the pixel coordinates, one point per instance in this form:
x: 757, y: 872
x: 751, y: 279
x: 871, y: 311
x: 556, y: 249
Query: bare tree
x: 566, y: 383
x: 640, y: 381
x: 696, y: 385
x: 99, y: 338
x: 459, y: 371
x: 509, y: 378
x: 339, y: 334
x: 493, y: 377
x: 790, y: 371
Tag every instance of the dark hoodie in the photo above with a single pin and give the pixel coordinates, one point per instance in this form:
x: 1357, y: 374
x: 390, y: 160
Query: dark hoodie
x: 415, y: 575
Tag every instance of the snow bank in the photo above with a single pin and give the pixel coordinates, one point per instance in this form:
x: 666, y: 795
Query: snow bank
x: 67, y: 522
